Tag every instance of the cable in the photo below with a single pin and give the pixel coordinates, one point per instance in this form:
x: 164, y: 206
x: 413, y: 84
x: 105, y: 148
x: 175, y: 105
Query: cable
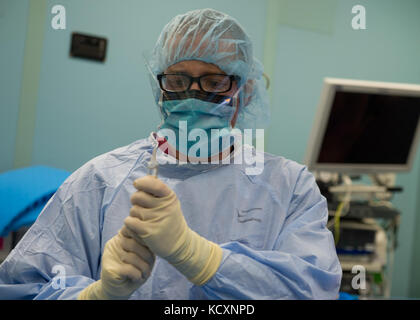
x: 342, y: 209
x: 337, y: 222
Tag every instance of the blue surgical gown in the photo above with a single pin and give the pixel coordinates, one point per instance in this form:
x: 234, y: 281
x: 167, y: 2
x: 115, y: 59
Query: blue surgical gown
x: 271, y: 227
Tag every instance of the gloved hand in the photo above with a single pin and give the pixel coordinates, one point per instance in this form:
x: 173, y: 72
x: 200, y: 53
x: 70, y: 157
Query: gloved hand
x: 157, y: 219
x: 126, y: 265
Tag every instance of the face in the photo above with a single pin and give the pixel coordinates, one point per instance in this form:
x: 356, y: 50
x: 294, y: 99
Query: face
x: 196, y: 68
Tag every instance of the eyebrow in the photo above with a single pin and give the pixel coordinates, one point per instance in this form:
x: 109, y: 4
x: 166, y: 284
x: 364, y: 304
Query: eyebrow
x: 189, y: 74
x: 181, y: 70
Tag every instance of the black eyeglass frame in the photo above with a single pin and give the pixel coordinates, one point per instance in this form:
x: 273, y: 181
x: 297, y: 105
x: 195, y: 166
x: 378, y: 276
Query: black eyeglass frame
x: 198, y: 80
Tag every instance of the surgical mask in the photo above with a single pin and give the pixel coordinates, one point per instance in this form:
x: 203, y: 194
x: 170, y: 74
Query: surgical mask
x: 200, y: 122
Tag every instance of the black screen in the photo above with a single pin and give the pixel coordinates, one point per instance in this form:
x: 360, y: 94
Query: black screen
x: 366, y: 128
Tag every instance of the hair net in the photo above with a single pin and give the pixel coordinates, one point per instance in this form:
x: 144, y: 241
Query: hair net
x: 214, y: 37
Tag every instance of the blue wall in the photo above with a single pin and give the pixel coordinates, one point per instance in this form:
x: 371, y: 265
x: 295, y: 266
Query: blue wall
x: 13, y: 15
x: 388, y: 50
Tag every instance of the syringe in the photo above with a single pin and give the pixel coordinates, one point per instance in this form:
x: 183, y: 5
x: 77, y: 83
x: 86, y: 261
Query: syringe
x: 153, y: 165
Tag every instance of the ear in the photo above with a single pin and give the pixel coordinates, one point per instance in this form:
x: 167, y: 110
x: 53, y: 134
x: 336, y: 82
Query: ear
x: 248, y: 89
x: 235, y: 115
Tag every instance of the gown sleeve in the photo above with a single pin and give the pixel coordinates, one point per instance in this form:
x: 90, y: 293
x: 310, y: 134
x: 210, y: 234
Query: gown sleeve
x: 60, y: 254
x: 302, y: 265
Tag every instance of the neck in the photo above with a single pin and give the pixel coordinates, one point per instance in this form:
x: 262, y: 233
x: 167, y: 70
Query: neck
x: 219, y: 157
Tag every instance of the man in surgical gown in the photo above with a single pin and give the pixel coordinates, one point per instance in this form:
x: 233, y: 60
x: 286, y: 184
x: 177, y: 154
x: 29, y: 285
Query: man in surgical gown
x: 270, y: 227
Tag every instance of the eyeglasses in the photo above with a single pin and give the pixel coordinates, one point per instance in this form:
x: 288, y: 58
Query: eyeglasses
x: 211, y: 83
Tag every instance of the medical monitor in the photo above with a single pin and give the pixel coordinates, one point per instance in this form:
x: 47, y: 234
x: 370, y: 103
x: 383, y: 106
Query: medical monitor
x: 365, y: 127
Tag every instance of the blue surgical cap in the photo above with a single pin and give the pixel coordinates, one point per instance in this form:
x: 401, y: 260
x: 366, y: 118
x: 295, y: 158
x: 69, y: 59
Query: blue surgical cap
x: 215, y: 37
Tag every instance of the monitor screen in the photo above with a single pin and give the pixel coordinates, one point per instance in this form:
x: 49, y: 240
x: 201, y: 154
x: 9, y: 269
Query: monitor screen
x: 367, y: 128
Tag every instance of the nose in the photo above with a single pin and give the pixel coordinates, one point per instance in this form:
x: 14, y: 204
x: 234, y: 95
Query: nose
x: 194, y: 85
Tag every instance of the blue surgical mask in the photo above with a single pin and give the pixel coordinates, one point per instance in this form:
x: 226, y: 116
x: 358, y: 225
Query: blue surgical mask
x: 184, y: 113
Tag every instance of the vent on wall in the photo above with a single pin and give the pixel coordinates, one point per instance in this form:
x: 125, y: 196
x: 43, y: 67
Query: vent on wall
x: 88, y: 47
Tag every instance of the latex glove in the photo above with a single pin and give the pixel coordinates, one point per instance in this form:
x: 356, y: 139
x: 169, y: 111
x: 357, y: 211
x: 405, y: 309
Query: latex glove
x: 126, y: 265
x: 157, y: 219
